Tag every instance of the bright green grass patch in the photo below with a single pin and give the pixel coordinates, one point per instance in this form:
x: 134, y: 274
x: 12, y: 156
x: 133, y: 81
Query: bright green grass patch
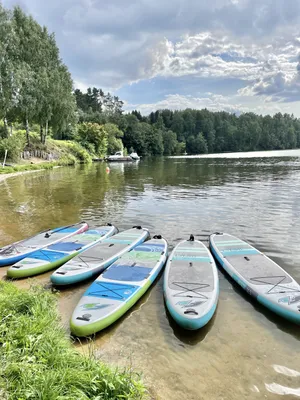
x: 27, y: 167
x: 38, y: 362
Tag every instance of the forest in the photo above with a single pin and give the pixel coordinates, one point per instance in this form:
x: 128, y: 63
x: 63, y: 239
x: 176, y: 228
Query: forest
x: 167, y: 132
x: 38, y: 102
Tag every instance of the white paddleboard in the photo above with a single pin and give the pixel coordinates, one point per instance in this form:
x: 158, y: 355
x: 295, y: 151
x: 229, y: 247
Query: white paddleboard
x: 191, y: 284
x: 258, y: 275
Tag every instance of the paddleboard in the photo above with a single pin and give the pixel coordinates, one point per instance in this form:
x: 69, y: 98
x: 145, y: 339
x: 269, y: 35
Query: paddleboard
x: 258, y: 275
x: 119, y: 287
x: 95, y: 260
x: 57, y: 254
x: 15, y: 252
x: 191, y: 284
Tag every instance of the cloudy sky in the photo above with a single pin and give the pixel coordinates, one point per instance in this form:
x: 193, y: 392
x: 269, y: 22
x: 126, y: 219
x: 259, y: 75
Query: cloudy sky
x: 233, y: 55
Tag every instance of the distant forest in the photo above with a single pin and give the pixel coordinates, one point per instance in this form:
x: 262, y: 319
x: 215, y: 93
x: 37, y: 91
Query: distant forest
x: 193, y: 131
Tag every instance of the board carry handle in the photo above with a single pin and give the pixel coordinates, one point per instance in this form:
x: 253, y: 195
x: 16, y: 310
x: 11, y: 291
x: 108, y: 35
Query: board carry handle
x: 159, y: 237
x: 47, y: 234
x: 190, y: 311
x: 192, y: 238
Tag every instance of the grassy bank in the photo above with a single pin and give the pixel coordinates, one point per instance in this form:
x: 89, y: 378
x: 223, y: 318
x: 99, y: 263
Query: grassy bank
x: 38, y: 361
x: 64, y: 152
x: 28, y: 167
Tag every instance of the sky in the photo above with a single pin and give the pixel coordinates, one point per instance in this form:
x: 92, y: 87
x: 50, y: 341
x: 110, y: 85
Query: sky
x: 232, y: 55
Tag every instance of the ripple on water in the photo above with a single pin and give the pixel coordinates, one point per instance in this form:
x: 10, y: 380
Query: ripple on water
x: 245, y: 352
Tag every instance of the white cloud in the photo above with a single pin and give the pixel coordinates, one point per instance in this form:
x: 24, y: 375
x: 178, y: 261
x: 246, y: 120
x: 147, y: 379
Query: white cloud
x: 111, y: 44
x: 277, y: 86
x: 213, y: 55
x: 213, y: 102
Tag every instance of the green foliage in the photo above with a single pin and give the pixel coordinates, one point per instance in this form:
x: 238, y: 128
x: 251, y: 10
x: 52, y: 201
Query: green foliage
x: 38, y: 360
x: 180, y: 148
x: 114, y: 138
x: 154, y: 142
x: 169, y: 142
x: 196, y: 144
x: 95, y: 101
x: 135, y: 134
x: 202, y: 131
x: 35, y: 86
x: 68, y: 159
x: 78, y: 152
x: 95, y: 134
x: 14, y: 145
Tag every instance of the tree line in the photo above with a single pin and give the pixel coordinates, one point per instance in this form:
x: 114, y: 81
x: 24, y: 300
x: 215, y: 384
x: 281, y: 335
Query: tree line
x: 167, y: 132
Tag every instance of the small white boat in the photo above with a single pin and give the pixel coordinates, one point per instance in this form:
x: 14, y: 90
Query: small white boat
x: 118, y: 156
x: 135, y: 156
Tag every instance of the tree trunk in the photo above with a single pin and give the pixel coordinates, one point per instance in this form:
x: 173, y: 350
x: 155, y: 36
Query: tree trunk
x: 46, y: 131
x: 11, y: 130
x: 6, y: 126
x: 41, y: 133
x: 27, y: 131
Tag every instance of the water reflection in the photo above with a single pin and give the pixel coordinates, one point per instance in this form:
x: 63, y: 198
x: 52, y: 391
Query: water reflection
x: 190, y: 338
x: 282, y: 390
x: 286, y: 371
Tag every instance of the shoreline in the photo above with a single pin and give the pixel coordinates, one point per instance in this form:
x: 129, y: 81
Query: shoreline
x: 3, y: 177
x: 12, y: 174
x: 54, y: 367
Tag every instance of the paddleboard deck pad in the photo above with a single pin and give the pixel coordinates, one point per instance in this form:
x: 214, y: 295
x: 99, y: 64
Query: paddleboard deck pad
x: 57, y: 254
x: 95, y: 260
x: 191, y: 285
x: 119, y: 287
x: 258, y: 275
x: 15, y: 252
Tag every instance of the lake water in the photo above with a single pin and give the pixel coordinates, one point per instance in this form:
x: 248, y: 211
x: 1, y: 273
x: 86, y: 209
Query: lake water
x: 245, y: 352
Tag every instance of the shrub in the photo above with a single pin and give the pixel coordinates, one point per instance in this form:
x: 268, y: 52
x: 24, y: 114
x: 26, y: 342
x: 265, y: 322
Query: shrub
x: 14, y: 145
x: 68, y: 159
x: 95, y: 134
x: 80, y: 153
x: 90, y: 147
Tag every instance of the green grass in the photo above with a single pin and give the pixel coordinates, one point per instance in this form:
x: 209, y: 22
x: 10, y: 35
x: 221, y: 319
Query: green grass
x: 67, y: 152
x: 28, y: 167
x: 38, y: 361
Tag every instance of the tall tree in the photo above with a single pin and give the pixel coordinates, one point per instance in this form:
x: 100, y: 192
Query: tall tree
x: 169, y: 143
x: 114, y: 136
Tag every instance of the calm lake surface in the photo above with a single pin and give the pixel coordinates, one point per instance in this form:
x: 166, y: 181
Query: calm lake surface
x: 245, y: 352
